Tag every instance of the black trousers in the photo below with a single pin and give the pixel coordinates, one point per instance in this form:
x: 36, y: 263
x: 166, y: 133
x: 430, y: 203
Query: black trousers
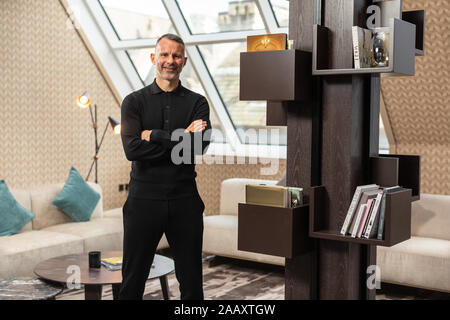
x: 145, y: 221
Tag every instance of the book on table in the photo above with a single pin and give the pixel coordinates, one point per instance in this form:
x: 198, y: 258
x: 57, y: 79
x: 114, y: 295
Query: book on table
x: 113, y: 263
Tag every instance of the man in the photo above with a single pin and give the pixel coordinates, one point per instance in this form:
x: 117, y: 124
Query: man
x: 163, y: 196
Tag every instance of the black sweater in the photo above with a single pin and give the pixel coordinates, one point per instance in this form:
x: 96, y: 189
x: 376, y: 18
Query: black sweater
x: 154, y: 175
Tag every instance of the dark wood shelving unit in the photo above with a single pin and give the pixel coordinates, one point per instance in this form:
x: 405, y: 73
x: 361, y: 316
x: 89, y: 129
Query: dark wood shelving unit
x: 397, y: 223
x: 417, y: 17
x: 277, y: 113
x: 389, y: 170
x: 332, y: 133
x: 281, y: 75
x: 273, y: 230
x: 402, y: 50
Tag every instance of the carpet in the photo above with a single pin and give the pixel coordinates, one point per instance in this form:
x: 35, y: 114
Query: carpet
x: 231, y: 279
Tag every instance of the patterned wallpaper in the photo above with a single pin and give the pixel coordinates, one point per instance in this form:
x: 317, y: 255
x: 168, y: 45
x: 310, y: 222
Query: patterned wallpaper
x: 419, y: 106
x: 45, y: 66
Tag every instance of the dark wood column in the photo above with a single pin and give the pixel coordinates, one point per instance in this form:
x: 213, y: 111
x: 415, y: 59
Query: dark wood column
x: 303, y: 161
x: 329, y: 142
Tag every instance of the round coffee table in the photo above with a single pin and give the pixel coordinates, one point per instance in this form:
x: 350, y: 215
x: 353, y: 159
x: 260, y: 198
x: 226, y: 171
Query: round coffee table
x: 26, y: 288
x: 74, y: 268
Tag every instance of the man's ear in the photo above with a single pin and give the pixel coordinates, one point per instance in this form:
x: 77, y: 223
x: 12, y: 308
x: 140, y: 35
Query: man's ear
x: 152, y: 57
x: 185, y: 60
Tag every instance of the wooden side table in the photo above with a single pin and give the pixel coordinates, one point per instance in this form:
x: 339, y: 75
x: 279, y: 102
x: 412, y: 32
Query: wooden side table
x: 56, y: 269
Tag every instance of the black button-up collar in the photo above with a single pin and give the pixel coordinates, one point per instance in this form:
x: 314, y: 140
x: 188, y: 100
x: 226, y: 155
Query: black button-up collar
x: 155, y: 89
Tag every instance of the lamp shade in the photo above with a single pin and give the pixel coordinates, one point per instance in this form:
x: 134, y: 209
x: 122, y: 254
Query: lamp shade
x: 115, y: 125
x: 83, y: 100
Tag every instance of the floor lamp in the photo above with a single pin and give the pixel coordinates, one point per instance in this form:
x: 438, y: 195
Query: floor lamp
x: 84, y: 102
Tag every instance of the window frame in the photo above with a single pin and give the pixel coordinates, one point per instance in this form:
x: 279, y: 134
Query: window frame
x: 111, y: 52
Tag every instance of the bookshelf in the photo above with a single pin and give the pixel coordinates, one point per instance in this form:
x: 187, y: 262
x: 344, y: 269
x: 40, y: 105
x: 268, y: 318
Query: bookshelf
x: 273, y: 230
x: 397, y: 227
x: 397, y: 169
x: 281, y: 75
x: 402, y: 50
x: 332, y: 130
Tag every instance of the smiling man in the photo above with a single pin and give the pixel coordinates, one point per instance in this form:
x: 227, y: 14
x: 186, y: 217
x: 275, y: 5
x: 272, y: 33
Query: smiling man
x: 163, y: 196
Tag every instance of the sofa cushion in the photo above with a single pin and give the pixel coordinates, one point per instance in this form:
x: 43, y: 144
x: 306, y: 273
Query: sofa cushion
x: 97, y: 234
x: 48, y: 214
x: 220, y: 238
x: 113, y: 213
x: 77, y: 199
x: 232, y: 192
x: 21, y: 252
x: 430, y: 216
x: 13, y: 216
x: 420, y: 262
x: 23, y: 197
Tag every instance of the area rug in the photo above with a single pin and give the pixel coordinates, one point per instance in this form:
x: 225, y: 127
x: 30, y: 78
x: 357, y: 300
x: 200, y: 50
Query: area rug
x: 230, y: 279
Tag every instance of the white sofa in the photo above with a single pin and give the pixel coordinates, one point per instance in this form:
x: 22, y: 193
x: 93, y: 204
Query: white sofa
x: 422, y: 261
x: 52, y: 233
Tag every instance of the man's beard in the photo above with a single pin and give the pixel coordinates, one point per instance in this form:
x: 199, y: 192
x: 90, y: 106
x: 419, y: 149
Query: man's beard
x: 166, y: 75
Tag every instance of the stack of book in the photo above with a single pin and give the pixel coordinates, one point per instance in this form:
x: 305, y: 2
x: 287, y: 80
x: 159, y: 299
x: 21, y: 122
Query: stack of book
x: 365, y: 216
x: 112, y: 264
x: 276, y: 196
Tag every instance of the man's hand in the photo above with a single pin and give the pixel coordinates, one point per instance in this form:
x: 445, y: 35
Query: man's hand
x: 196, y: 126
x: 145, y: 135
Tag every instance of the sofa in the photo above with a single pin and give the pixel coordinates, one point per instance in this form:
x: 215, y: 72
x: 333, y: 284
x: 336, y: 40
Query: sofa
x: 52, y: 233
x: 423, y: 261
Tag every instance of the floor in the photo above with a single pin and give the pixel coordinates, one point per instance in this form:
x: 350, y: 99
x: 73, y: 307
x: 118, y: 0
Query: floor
x: 233, y: 279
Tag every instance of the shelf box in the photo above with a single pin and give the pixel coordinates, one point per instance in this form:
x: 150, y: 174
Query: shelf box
x: 401, y: 52
x: 397, y: 169
x: 397, y: 226
x: 272, y: 230
x: 408, y: 172
x: 282, y: 75
x: 417, y: 17
x: 276, y: 114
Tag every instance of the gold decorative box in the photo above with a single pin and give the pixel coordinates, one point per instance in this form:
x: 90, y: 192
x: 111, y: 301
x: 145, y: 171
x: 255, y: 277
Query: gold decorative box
x: 266, y: 42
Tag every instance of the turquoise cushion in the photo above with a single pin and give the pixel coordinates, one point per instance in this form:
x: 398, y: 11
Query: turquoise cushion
x: 13, y: 217
x: 77, y: 199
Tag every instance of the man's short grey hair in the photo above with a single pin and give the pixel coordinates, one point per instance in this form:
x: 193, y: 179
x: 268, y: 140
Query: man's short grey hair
x: 171, y: 36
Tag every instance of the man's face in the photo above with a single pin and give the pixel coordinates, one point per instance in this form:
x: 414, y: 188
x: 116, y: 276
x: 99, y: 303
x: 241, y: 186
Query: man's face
x: 169, y: 59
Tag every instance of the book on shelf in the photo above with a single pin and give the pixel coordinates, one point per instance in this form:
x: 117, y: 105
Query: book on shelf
x: 363, y: 221
x: 277, y: 196
x: 372, y: 224
x: 353, y: 205
x: 295, y: 196
x: 380, y: 232
x: 366, y: 195
x: 362, y: 47
x: 358, y: 217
